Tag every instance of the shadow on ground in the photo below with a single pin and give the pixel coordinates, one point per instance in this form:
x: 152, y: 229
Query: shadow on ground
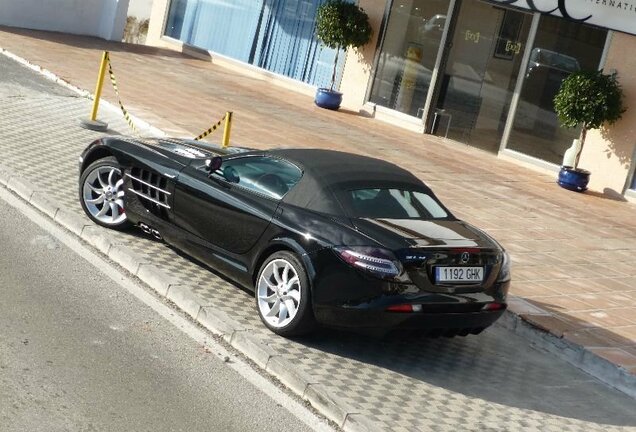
x: 586, y: 333
x: 496, y: 366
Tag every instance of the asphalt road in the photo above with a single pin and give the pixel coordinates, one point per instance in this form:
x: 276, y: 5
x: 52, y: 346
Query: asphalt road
x: 78, y: 352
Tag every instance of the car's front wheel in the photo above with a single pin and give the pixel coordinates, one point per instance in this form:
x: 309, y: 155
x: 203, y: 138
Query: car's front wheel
x: 283, y: 297
x: 101, y: 193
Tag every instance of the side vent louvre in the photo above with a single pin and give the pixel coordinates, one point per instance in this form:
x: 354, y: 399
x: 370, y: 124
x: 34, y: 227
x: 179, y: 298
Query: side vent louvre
x: 151, y: 188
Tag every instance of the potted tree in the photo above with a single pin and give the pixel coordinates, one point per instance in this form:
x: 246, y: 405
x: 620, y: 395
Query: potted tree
x: 588, y: 99
x: 340, y: 24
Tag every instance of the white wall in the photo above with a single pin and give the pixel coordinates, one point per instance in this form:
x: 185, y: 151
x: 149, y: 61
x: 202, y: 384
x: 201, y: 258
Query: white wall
x: 140, y: 9
x: 102, y: 18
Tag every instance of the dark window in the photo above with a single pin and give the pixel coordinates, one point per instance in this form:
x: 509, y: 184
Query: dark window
x: 393, y: 204
x: 265, y: 175
x: 560, y: 48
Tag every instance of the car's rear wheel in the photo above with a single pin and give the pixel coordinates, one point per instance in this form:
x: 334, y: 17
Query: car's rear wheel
x: 283, y: 297
x: 101, y: 193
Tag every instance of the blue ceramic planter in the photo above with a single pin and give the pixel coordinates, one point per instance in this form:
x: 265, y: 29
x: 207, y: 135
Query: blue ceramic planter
x: 573, y: 179
x: 328, y: 99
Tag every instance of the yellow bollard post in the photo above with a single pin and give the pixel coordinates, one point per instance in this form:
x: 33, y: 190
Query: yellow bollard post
x: 227, y: 129
x: 92, y: 123
x: 100, y: 84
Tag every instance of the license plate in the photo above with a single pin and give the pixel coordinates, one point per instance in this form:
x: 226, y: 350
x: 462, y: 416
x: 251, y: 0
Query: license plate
x: 459, y: 274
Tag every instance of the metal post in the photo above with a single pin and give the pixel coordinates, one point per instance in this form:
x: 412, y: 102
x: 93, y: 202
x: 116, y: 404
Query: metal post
x: 92, y: 123
x: 100, y: 84
x: 227, y: 129
x: 516, y: 95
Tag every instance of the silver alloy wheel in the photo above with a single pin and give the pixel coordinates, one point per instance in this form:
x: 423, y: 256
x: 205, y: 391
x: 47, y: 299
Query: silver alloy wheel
x: 278, y: 292
x: 103, y: 195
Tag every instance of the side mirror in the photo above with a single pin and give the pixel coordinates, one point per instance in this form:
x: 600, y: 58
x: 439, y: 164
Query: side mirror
x: 213, y: 164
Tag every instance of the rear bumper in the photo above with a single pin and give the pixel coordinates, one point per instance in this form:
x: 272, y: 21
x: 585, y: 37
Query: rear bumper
x: 440, y: 321
x: 344, y: 297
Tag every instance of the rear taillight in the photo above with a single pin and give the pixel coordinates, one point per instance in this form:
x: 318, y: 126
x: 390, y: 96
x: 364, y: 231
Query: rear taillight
x: 493, y: 306
x: 405, y: 308
x: 379, y: 262
x: 504, y: 272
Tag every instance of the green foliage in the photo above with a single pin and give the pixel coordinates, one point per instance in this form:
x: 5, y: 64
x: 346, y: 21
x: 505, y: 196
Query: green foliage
x: 341, y: 24
x: 589, y: 98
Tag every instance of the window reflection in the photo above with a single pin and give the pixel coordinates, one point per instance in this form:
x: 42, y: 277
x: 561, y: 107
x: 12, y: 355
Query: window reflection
x: 408, y: 55
x: 481, y: 73
x: 265, y: 175
x: 561, y: 47
x: 276, y: 35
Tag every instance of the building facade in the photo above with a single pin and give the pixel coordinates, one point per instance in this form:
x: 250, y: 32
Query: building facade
x: 102, y: 18
x: 483, y: 73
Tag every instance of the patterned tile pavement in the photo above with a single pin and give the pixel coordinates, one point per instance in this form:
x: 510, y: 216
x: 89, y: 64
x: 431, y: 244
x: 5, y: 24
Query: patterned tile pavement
x: 493, y: 382
x: 573, y: 254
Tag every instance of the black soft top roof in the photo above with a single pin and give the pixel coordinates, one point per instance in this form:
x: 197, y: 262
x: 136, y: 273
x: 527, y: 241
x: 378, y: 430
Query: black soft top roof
x: 328, y: 173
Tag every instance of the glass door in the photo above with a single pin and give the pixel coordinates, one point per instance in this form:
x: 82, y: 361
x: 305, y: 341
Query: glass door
x: 408, y: 55
x: 560, y: 48
x: 481, y: 72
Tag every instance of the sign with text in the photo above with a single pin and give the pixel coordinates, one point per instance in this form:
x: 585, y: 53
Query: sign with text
x: 611, y: 14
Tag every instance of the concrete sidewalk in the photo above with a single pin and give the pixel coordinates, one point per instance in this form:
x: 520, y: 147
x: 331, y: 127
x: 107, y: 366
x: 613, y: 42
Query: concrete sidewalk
x: 574, y: 273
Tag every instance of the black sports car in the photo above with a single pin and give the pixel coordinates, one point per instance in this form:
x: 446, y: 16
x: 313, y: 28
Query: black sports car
x: 323, y: 237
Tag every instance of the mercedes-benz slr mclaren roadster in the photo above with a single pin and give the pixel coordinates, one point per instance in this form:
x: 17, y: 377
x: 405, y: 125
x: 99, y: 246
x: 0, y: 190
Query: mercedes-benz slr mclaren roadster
x: 322, y: 237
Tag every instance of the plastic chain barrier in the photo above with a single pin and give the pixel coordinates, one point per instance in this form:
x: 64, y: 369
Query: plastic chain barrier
x: 121, y: 105
x: 211, y: 129
x: 227, y: 117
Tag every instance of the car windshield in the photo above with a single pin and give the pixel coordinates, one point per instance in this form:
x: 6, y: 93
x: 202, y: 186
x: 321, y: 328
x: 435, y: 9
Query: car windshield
x: 393, y: 204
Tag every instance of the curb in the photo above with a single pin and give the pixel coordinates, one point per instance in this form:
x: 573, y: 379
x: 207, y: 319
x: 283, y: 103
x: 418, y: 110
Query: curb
x: 219, y: 323
x: 181, y: 295
x: 166, y: 286
x: 609, y: 373
x: 240, y: 338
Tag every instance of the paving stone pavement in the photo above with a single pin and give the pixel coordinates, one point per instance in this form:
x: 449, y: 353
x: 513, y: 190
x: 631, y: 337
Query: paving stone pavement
x: 573, y: 254
x: 495, y: 381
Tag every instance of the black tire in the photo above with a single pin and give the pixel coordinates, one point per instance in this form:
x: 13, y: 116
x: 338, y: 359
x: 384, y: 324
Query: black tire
x: 303, y: 321
x: 88, y: 182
